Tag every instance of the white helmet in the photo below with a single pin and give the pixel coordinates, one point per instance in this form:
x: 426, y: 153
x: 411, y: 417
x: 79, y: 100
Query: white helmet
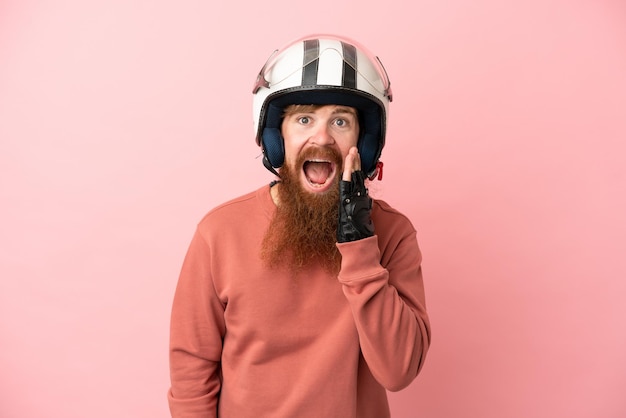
x: 322, y: 69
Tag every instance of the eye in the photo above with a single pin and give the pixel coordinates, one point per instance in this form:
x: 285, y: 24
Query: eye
x: 341, y: 122
x: 304, y: 120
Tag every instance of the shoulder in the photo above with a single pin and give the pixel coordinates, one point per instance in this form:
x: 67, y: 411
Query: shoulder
x: 239, y: 209
x: 395, y: 232
x: 387, y: 217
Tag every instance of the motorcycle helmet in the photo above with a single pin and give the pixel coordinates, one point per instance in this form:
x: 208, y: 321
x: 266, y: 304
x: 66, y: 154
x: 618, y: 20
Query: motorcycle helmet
x: 320, y: 70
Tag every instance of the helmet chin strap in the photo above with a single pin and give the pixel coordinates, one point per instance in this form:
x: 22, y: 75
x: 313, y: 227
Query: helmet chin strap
x: 268, y: 165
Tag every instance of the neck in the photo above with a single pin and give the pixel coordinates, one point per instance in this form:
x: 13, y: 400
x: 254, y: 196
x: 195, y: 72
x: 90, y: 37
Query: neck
x: 274, y: 193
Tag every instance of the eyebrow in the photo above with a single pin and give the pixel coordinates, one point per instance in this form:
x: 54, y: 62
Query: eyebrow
x: 341, y: 110
x: 310, y: 109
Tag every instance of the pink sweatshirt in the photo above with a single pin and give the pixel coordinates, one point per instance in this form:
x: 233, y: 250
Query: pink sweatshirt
x: 251, y: 342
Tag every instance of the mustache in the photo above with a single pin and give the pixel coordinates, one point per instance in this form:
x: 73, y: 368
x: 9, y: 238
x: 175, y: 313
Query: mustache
x: 321, y: 153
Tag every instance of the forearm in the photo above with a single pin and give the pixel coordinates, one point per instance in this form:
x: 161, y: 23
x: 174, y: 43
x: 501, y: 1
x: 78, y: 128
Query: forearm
x: 388, y: 308
x: 196, y: 332
x: 195, y: 382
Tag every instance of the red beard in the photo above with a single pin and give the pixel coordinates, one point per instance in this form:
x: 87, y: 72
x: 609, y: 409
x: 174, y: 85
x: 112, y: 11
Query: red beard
x: 303, y: 231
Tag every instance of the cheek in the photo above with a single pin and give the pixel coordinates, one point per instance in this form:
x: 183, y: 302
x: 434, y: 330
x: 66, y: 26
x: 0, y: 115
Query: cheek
x: 292, y: 150
x: 288, y: 142
x: 347, y: 143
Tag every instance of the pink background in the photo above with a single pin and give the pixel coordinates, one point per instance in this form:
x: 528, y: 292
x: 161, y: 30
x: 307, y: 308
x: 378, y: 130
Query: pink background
x: 123, y: 122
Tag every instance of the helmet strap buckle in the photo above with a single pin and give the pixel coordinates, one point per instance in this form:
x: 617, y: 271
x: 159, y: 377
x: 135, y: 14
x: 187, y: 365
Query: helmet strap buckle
x: 378, y: 172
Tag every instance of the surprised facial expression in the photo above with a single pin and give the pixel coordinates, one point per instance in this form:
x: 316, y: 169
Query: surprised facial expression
x: 317, y: 141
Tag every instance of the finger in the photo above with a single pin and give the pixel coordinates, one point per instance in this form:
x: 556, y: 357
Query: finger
x: 351, y: 164
x: 348, y: 168
x: 357, y: 160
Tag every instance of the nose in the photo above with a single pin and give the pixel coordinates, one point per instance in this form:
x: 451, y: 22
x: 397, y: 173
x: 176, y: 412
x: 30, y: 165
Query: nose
x: 323, y: 136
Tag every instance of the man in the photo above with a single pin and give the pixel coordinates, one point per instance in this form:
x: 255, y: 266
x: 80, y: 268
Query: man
x: 305, y: 297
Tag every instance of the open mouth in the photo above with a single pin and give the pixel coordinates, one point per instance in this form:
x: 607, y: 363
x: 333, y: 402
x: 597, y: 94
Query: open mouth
x: 319, y: 172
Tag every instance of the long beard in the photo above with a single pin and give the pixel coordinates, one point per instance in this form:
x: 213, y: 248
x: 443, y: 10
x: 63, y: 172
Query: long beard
x: 303, y: 231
